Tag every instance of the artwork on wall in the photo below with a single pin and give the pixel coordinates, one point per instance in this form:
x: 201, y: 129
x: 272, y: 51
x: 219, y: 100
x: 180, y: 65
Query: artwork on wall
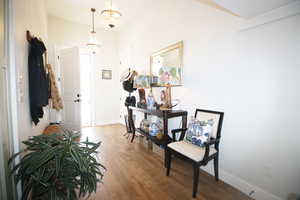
x: 166, y: 66
x: 142, y: 81
x: 106, y: 74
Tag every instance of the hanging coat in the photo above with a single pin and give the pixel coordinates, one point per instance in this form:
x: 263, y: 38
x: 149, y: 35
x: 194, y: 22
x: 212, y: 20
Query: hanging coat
x: 55, y: 96
x: 38, y: 81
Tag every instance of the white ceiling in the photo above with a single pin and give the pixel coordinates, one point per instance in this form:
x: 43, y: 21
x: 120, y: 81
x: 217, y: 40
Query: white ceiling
x: 79, y: 10
x: 251, y: 8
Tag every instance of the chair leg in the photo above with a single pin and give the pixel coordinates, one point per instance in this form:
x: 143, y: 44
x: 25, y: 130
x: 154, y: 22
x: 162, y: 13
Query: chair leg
x: 196, y: 179
x: 132, y: 129
x: 133, y: 136
x: 216, y: 167
x: 168, y: 159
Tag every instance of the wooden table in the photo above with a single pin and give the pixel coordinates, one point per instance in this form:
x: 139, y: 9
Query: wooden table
x: 165, y: 115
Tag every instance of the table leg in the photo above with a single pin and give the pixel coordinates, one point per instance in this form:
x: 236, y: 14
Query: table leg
x: 166, y: 134
x: 131, y: 123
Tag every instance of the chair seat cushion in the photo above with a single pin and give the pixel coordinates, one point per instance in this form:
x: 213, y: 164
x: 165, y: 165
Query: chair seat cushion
x: 191, y: 151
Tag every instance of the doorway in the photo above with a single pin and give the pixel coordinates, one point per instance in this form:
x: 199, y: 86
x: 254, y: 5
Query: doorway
x: 87, y: 83
x: 77, y: 71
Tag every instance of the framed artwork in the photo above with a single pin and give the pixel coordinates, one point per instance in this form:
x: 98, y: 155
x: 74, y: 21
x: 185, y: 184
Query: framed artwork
x: 106, y: 74
x: 142, y: 81
x: 166, y: 66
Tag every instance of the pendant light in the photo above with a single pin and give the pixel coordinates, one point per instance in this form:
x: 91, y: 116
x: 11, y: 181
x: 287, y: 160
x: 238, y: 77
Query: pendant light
x: 93, y: 42
x: 111, y: 15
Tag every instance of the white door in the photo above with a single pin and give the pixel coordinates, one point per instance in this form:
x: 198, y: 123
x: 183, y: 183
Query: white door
x: 87, y: 88
x: 70, y: 85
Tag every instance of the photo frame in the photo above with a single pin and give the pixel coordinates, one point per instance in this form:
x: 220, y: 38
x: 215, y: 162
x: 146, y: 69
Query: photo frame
x: 106, y: 74
x: 166, y: 66
x: 142, y: 81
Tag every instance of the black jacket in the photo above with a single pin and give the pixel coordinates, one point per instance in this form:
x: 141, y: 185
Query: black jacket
x: 38, y: 81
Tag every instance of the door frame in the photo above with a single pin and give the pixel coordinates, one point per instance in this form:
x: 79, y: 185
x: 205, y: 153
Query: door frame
x: 9, y: 106
x: 57, y: 116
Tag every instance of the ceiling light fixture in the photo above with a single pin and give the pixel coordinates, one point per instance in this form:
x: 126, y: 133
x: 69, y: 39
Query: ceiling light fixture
x: 93, y: 42
x: 111, y: 15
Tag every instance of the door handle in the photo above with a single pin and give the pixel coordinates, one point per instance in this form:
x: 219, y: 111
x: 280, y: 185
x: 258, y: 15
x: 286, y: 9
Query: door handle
x: 77, y: 100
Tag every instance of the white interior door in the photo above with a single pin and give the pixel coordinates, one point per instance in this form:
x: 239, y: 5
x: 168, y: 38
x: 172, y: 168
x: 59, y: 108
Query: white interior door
x: 87, y: 74
x: 70, y: 85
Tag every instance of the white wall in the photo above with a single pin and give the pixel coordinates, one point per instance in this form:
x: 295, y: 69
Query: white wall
x: 253, y: 76
x: 64, y: 33
x: 28, y: 15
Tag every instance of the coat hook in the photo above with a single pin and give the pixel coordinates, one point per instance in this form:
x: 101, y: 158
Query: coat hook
x: 28, y: 36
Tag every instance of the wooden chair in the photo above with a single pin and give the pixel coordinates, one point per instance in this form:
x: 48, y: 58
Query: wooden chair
x: 198, y: 156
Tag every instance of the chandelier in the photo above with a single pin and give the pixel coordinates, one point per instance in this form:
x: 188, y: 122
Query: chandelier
x: 93, y: 42
x: 111, y: 15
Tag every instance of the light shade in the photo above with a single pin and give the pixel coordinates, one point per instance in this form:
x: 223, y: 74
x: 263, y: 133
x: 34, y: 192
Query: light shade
x: 93, y: 42
x: 111, y: 13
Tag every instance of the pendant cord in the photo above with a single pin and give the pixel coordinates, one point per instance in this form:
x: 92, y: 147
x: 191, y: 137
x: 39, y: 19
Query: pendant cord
x: 93, y: 21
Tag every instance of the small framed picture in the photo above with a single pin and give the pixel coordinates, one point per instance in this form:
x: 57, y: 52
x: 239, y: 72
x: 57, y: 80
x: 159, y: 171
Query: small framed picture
x: 106, y: 74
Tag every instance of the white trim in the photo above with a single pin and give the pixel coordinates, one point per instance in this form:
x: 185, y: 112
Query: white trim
x: 122, y: 122
x: 12, y: 86
x: 280, y: 13
x: 4, y: 149
x: 99, y: 123
x: 240, y: 184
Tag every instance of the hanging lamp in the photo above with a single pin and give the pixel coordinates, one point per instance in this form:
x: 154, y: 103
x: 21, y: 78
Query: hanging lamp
x: 111, y: 15
x: 93, y: 42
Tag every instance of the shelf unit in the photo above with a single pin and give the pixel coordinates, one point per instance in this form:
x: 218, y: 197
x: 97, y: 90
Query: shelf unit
x: 165, y: 115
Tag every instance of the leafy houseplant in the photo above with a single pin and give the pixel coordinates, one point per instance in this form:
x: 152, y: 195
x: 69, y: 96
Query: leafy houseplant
x: 57, y: 167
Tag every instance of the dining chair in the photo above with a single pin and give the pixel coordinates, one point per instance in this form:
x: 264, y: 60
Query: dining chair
x: 198, y: 156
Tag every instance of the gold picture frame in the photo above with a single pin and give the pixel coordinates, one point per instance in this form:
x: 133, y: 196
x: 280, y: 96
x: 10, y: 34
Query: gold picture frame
x: 106, y: 74
x: 166, y: 66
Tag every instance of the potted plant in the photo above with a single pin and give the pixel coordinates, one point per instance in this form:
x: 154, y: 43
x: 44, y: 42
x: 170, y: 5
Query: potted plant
x: 58, y: 167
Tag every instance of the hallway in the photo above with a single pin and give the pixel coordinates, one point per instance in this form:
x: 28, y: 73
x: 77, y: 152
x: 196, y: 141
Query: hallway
x: 135, y: 173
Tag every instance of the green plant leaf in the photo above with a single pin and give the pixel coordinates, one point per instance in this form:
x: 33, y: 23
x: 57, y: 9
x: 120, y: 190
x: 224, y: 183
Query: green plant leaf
x: 57, y: 166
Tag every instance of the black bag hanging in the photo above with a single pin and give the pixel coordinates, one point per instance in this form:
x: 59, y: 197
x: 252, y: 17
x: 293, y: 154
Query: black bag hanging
x: 130, y: 101
x: 128, y: 86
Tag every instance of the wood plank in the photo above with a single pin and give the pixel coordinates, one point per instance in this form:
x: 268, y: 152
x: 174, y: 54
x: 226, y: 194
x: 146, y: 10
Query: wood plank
x: 135, y: 173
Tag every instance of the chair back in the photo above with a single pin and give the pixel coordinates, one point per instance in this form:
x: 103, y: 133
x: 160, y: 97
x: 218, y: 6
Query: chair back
x: 204, y: 115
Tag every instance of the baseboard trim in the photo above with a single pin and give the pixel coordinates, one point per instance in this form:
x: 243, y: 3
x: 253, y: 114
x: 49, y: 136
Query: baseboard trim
x: 240, y: 184
x: 106, y: 123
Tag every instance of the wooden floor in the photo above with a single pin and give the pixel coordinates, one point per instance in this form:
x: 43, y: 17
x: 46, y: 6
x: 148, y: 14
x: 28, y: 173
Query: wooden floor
x: 135, y: 173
